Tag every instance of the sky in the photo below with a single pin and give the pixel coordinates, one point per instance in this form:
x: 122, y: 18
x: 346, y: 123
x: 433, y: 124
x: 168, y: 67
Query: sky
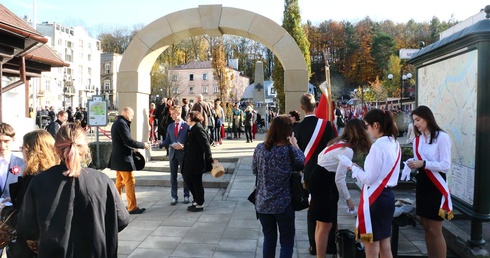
x: 126, y: 13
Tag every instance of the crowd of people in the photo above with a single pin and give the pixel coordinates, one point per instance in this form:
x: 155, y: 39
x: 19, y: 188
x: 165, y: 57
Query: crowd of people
x: 58, y: 201
x: 57, y: 206
x: 328, y: 154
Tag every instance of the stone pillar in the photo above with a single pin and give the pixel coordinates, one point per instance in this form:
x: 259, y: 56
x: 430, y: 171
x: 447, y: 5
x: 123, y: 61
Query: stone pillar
x: 295, y: 85
x: 259, y: 89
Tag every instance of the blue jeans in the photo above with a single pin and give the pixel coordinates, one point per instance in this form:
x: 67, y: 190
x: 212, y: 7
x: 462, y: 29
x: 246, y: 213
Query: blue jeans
x: 270, y: 223
x: 174, y: 164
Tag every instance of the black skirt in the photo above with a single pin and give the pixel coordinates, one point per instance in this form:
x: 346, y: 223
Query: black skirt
x: 324, y: 196
x: 427, y: 197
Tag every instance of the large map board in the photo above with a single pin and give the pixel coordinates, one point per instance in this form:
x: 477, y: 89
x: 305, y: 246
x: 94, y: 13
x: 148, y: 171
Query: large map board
x: 449, y: 89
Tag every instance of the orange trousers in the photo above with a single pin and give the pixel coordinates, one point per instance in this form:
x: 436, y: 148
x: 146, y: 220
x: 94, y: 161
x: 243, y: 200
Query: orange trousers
x: 126, y: 179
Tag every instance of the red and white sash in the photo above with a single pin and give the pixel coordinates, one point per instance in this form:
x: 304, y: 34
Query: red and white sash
x: 369, y: 194
x: 335, y: 146
x: 321, y: 124
x: 441, y: 184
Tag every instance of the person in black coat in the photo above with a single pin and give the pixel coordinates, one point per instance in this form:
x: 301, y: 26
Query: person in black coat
x: 122, y: 157
x: 159, y: 117
x: 197, y: 159
x: 70, y: 210
x: 305, y: 134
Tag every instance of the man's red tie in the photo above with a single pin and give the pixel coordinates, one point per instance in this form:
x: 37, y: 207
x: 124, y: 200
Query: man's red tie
x: 176, y: 130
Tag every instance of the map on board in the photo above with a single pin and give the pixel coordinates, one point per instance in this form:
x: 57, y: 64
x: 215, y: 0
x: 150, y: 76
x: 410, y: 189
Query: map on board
x: 97, y: 112
x: 449, y: 89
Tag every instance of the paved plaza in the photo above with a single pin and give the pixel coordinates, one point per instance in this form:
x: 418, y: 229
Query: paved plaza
x: 228, y: 227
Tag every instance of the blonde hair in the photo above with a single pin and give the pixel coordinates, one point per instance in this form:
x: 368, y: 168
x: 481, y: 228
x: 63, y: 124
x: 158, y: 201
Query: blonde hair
x: 71, y: 145
x: 38, y: 151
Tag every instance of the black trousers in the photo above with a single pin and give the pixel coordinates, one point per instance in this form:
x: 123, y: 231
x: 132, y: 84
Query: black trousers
x: 194, y: 183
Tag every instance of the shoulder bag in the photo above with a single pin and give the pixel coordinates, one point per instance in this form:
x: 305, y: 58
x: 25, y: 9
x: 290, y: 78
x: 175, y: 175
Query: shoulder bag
x: 299, y: 195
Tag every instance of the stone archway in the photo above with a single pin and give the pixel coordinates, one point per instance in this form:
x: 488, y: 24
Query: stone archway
x: 133, y: 79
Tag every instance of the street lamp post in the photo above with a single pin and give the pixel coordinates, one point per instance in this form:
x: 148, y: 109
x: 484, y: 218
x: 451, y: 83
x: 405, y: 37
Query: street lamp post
x: 404, y: 77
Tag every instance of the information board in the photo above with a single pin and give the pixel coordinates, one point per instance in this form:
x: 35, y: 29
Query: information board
x: 449, y: 88
x: 97, y: 111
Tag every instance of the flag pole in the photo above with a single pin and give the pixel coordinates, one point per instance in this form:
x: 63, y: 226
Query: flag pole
x: 327, y: 89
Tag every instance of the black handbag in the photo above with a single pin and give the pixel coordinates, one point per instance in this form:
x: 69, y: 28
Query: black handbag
x: 347, y: 246
x: 299, y: 195
x: 251, y: 197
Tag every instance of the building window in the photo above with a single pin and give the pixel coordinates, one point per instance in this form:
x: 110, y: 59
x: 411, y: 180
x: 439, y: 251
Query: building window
x: 273, y: 90
x: 216, y: 89
x: 107, y: 68
x: 204, y: 89
x: 89, y: 71
x: 175, y: 90
x: 191, y: 90
x: 204, y: 76
x: 174, y: 77
x: 107, y: 85
x: 89, y: 57
x: 191, y: 77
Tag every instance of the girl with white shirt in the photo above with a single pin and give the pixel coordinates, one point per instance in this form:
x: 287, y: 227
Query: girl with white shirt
x: 432, y: 157
x: 380, y: 174
x: 326, y: 187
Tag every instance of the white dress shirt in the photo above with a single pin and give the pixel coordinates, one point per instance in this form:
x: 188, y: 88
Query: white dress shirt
x: 379, y: 162
x: 330, y: 162
x: 4, y: 167
x: 437, y: 155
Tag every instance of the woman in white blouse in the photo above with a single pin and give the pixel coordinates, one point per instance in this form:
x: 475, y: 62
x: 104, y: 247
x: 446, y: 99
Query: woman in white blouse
x: 380, y: 174
x: 432, y: 151
x: 324, y: 193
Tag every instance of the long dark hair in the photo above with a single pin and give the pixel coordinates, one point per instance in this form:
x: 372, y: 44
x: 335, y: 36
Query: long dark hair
x: 281, y: 128
x: 425, y: 113
x: 355, y: 136
x: 385, y: 120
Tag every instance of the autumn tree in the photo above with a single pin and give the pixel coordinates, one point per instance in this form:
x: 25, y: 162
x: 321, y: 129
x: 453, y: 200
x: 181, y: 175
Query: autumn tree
x: 220, y: 71
x: 292, y: 24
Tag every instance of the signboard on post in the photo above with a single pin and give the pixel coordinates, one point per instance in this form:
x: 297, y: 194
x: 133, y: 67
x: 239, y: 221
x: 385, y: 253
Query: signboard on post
x: 406, y: 53
x: 97, y: 111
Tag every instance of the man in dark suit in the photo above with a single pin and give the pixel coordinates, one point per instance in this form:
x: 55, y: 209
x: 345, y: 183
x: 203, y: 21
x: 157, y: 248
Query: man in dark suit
x: 122, y: 157
x: 11, y: 167
x: 312, y: 135
x: 176, y: 134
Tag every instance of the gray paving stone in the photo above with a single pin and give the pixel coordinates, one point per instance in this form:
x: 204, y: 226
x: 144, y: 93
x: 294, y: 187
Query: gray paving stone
x: 161, y: 242
x: 194, y: 250
x: 236, y: 245
x: 151, y: 253
x: 241, y: 233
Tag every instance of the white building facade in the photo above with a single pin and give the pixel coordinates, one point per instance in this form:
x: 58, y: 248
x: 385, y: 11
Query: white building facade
x: 196, y: 77
x: 73, y: 85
